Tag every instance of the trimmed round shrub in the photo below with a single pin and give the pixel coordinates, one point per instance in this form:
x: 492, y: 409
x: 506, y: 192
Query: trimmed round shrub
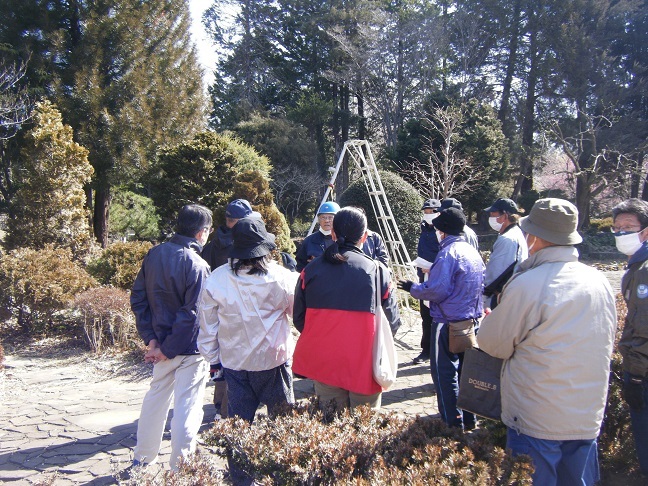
x: 119, y: 263
x: 403, y: 199
x: 36, y: 284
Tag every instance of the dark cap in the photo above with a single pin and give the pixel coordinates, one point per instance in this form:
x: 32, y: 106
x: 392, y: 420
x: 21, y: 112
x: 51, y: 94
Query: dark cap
x: 451, y: 221
x: 240, y: 208
x: 251, y: 240
x: 431, y: 204
x: 450, y: 202
x: 503, y: 205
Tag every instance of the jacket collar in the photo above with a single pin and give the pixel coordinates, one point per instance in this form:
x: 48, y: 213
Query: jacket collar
x: 641, y: 255
x: 450, y: 239
x: 186, y: 242
x: 551, y: 254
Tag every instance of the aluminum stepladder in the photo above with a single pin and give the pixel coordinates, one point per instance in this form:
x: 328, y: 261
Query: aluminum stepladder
x: 359, y: 152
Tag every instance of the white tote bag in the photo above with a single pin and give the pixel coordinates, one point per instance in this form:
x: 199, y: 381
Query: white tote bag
x: 385, y: 359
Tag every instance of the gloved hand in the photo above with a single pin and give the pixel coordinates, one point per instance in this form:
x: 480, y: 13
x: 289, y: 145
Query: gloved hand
x: 216, y: 372
x: 405, y: 285
x: 632, y: 393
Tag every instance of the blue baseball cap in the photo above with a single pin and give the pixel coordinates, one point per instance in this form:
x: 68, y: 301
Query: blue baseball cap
x: 240, y: 208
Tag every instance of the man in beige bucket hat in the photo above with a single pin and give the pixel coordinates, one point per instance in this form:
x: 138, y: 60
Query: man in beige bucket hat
x: 554, y: 327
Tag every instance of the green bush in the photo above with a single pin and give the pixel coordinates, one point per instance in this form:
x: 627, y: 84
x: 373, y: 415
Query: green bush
x: 107, y: 318
x: 36, y: 284
x: 305, y: 446
x: 403, y: 199
x: 119, y: 263
x: 601, y: 224
x: 133, y: 216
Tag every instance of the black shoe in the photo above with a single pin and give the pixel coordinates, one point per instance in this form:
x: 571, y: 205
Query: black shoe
x: 421, y: 358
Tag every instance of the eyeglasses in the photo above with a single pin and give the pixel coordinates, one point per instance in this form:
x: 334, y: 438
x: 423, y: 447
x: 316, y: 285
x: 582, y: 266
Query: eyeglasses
x: 626, y: 230
x: 326, y: 217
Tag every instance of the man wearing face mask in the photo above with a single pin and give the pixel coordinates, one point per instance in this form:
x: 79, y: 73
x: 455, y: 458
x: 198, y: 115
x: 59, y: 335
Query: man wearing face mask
x: 454, y: 291
x: 428, y: 247
x: 554, y: 328
x: 509, y: 249
x: 630, y: 233
x: 315, y: 243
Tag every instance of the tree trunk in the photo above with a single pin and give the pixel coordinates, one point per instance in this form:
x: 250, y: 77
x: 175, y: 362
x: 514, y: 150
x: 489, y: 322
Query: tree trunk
x: 100, y: 218
x: 583, y: 200
x: 504, y: 114
x: 343, y: 177
x: 524, y: 181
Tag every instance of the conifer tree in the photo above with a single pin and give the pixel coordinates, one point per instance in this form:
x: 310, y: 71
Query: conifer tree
x: 49, y: 202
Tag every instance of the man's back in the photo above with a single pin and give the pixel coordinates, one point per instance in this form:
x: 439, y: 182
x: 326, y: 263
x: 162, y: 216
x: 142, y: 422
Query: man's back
x: 555, y: 326
x: 165, y: 292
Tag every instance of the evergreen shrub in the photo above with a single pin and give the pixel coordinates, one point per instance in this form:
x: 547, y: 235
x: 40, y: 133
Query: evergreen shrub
x: 37, y: 284
x: 305, y: 446
x: 107, y: 318
x: 403, y: 199
x: 119, y: 263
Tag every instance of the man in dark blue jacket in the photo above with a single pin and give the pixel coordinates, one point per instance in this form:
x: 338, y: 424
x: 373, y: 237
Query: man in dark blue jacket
x: 428, y: 247
x: 164, y: 300
x: 318, y: 241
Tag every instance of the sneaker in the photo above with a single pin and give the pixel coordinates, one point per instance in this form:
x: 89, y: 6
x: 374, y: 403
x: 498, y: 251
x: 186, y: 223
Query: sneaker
x: 421, y: 358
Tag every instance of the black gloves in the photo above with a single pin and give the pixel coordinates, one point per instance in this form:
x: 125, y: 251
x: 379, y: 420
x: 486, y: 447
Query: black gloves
x: 216, y: 372
x: 632, y: 392
x: 405, y: 285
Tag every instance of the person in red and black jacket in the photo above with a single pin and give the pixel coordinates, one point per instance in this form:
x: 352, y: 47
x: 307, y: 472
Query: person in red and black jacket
x: 334, y: 312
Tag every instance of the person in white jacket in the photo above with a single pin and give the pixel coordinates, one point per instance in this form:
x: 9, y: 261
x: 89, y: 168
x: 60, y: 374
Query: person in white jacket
x: 509, y: 249
x: 245, y: 315
x: 554, y: 327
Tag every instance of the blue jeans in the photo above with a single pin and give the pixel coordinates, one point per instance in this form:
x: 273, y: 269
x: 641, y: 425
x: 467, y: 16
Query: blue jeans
x: 557, y: 462
x: 640, y: 428
x: 446, y: 370
x: 246, y: 390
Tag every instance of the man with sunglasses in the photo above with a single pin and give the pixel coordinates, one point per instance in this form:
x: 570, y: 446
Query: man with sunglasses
x: 630, y: 234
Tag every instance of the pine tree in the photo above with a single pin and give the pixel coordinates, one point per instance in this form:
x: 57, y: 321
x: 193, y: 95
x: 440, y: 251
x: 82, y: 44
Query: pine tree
x: 49, y: 202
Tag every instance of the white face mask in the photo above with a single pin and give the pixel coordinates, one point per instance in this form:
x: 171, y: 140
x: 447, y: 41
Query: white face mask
x: 439, y: 235
x: 492, y: 221
x: 429, y: 217
x: 628, y: 244
x: 530, y: 247
x: 325, y: 232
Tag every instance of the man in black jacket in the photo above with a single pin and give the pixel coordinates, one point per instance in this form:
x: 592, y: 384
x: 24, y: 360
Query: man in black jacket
x: 164, y: 300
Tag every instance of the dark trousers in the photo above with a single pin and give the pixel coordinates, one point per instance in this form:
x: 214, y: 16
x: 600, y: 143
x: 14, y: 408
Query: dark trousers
x: 246, y: 390
x: 446, y: 370
x: 426, y: 324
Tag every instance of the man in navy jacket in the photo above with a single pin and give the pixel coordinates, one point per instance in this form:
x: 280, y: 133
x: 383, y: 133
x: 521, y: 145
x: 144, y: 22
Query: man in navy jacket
x: 164, y: 300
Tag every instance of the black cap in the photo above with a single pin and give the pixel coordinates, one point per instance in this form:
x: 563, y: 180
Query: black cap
x: 450, y: 202
x: 503, y: 205
x: 451, y: 221
x: 431, y: 204
x: 250, y: 239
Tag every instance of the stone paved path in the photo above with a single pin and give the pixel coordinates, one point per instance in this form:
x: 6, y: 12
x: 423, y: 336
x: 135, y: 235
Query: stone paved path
x: 79, y: 427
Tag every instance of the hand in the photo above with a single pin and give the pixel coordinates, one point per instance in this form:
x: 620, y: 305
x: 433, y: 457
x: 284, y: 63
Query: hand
x: 405, y: 285
x: 154, y: 355
x: 632, y: 393
x: 216, y: 372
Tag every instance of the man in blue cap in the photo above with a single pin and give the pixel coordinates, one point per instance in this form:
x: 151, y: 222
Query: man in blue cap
x: 318, y: 241
x: 216, y: 251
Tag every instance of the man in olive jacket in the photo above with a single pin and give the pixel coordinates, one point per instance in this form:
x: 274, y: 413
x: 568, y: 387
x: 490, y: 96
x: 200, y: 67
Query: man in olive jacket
x: 631, y: 235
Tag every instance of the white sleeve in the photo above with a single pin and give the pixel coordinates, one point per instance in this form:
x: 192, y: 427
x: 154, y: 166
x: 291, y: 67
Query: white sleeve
x: 208, y: 334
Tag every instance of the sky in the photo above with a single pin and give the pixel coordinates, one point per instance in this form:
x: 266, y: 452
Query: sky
x: 206, y: 51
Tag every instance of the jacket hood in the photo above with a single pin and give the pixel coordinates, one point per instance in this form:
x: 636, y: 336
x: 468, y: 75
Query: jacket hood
x: 550, y: 254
